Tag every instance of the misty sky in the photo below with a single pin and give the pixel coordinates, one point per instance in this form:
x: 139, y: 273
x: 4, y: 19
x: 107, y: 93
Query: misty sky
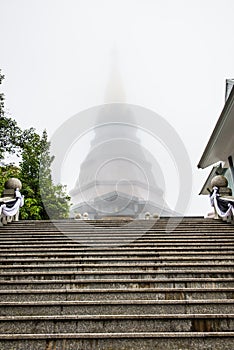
x: 174, y: 57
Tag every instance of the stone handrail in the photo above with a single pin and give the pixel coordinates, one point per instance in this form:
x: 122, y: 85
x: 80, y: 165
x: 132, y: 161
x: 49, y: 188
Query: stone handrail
x: 9, y: 208
x: 223, y: 205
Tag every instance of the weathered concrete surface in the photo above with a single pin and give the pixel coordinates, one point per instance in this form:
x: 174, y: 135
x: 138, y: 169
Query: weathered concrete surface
x: 162, y: 291
x: 155, y: 341
x: 117, y: 307
x: 117, y: 323
x: 37, y: 295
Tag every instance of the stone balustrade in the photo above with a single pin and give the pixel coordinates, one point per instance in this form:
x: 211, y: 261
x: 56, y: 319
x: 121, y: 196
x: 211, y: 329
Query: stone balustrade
x: 11, y: 201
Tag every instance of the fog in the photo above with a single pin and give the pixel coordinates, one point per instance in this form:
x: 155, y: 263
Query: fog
x: 173, y: 58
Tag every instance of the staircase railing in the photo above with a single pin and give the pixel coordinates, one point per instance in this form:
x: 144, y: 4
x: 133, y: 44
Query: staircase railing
x: 223, y: 206
x: 9, y: 208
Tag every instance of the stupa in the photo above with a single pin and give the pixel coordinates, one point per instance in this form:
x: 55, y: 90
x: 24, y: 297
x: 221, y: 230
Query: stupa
x: 116, y: 178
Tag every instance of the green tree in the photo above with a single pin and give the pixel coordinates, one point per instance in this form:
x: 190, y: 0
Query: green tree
x: 1, y: 96
x: 55, y: 200
x: 10, y: 133
x: 29, y: 165
x: 43, y: 199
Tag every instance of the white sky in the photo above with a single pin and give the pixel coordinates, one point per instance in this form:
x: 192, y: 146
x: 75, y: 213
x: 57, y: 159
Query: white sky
x: 174, y: 58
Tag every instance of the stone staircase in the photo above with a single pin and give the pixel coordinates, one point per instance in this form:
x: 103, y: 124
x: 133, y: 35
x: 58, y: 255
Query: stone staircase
x: 113, y: 285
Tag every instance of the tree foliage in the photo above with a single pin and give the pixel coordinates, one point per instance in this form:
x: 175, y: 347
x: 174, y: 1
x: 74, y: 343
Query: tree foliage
x: 43, y: 199
x: 1, y: 96
x: 9, y: 131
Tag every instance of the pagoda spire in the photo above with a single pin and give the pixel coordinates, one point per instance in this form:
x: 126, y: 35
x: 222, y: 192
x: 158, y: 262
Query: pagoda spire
x: 114, y: 89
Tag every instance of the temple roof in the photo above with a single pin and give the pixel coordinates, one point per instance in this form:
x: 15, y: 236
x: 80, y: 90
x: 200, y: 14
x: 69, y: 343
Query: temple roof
x: 216, y: 170
x: 221, y: 143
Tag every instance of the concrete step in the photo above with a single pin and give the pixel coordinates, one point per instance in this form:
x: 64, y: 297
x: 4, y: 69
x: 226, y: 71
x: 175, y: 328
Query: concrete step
x: 104, y: 267
x: 118, y: 283
x: 34, y: 295
x: 201, y: 231
x: 185, y: 221
x: 118, y: 249
x: 117, y: 244
x: 202, y: 235
x: 117, y: 341
x: 67, y: 228
x: 134, y: 273
x: 121, y: 254
x: 203, y: 260
x: 184, y: 237
x: 118, y: 323
x: 116, y: 307
x: 151, y: 226
x: 129, y: 231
